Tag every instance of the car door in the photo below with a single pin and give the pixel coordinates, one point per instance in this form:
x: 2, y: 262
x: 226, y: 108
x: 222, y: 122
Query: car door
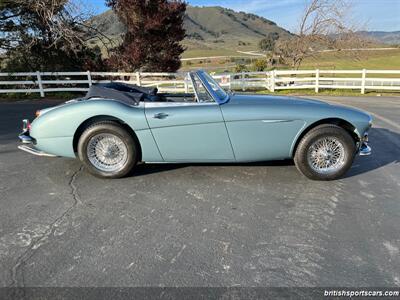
x: 190, y: 131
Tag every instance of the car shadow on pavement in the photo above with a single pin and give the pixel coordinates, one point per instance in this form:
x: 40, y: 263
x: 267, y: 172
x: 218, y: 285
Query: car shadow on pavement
x: 385, y: 150
x: 147, y: 169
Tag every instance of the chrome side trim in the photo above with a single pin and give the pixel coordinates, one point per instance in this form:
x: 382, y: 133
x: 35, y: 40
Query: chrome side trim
x: 34, y: 151
x: 276, y: 121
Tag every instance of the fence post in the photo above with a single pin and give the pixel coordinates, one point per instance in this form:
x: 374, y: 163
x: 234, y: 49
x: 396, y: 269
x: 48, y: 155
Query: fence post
x: 317, y: 80
x: 138, y: 83
x: 364, y: 73
x: 39, y: 80
x: 242, y: 81
x: 89, y: 78
x: 186, y: 79
x: 272, y: 81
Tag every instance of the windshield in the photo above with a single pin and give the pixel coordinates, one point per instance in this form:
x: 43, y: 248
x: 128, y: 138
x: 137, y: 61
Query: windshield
x: 214, y: 85
x: 201, y: 92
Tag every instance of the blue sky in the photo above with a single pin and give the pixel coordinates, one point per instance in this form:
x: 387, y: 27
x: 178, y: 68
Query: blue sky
x: 374, y: 14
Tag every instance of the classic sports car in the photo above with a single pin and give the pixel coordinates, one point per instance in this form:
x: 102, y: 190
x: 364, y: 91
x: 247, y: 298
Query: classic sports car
x: 117, y: 125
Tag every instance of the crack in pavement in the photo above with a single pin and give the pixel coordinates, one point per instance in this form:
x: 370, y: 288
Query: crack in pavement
x: 74, y: 189
x: 41, y: 240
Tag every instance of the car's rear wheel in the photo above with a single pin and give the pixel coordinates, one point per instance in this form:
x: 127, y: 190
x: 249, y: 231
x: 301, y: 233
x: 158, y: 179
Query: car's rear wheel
x: 107, y: 150
x: 325, y: 153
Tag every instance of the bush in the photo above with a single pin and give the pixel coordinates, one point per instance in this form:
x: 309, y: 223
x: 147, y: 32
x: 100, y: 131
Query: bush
x: 268, y: 43
x: 259, y: 65
x: 241, y: 68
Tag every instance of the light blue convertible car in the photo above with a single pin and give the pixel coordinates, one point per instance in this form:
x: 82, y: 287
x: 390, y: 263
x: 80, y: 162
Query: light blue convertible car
x: 117, y: 125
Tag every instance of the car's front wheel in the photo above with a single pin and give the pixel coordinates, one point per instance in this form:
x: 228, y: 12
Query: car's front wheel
x: 325, y: 153
x: 107, y: 150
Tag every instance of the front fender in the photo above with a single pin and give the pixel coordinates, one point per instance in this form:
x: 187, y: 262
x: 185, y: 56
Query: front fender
x: 360, y: 120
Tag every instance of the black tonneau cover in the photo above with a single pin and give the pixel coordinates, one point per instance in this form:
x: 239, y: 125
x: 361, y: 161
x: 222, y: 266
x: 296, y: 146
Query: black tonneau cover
x: 126, y: 93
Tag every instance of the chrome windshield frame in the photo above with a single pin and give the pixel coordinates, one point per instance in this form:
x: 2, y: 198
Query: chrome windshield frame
x: 201, y: 75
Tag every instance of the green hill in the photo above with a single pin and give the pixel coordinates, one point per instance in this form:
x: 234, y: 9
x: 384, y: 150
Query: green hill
x: 210, y: 30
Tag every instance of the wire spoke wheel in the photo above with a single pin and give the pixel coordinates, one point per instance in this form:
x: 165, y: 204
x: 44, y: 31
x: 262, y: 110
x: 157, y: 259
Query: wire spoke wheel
x: 107, y: 152
x: 326, y: 155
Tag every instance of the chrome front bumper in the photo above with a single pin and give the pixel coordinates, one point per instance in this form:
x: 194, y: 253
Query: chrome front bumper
x: 365, y: 149
x: 27, y: 139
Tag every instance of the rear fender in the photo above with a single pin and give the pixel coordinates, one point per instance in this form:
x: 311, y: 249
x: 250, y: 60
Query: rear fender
x: 54, y: 131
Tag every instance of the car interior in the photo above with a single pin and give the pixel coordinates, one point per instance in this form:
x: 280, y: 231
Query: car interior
x: 132, y: 94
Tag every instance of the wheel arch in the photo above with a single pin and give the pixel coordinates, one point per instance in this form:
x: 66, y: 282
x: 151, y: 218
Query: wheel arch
x: 95, y: 119
x: 350, y: 128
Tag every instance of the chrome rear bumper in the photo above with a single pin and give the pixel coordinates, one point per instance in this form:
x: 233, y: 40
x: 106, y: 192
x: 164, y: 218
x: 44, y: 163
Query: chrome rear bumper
x: 35, y: 151
x: 24, y: 136
x: 27, y: 139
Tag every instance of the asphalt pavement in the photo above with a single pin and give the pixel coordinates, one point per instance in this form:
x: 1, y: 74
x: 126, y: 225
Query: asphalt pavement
x: 246, y: 225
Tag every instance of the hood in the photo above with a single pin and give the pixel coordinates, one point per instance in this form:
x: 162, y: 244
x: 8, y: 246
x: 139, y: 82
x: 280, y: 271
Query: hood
x: 268, y: 99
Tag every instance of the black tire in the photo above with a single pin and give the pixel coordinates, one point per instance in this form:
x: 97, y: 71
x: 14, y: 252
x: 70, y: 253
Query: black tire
x: 303, y: 152
x: 110, y: 129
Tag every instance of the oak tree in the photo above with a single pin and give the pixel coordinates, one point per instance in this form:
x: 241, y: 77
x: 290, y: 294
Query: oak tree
x: 46, y: 35
x: 154, y: 30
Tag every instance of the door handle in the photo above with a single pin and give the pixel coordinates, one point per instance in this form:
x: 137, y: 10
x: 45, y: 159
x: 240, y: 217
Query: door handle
x: 160, y: 116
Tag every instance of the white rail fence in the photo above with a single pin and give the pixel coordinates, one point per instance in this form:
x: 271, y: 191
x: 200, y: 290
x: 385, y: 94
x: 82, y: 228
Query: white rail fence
x: 45, y: 82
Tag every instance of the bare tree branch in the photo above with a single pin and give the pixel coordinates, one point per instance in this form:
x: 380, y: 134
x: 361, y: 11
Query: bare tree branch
x: 324, y: 24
